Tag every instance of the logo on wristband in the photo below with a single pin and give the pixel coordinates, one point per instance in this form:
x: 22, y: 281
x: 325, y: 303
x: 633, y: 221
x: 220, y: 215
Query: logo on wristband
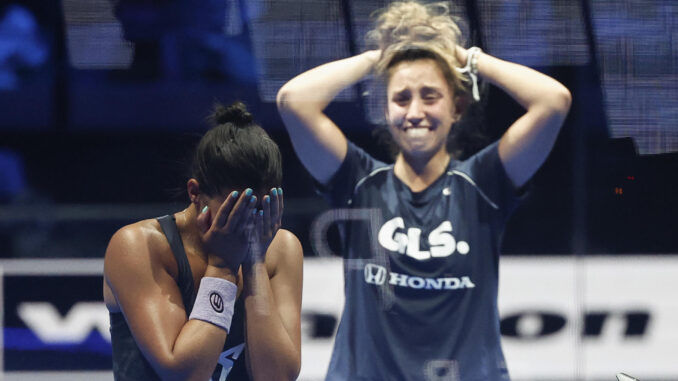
x: 217, y: 302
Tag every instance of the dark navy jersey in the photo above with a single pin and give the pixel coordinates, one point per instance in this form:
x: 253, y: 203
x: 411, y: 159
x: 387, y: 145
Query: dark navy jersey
x: 129, y: 363
x: 421, y: 271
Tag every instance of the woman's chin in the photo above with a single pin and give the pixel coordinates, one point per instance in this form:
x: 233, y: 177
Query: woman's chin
x: 417, y: 150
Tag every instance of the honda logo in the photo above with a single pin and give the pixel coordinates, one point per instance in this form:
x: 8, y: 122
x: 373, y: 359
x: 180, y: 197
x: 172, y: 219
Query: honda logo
x: 375, y: 274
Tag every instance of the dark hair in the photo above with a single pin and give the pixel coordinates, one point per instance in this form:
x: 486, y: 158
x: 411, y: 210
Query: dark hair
x: 235, y: 154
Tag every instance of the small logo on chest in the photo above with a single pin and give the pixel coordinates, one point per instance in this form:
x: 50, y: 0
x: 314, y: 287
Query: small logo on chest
x: 394, y: 237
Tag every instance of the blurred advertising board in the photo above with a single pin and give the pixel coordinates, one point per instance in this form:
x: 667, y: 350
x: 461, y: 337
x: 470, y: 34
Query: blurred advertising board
x: 563, y: 317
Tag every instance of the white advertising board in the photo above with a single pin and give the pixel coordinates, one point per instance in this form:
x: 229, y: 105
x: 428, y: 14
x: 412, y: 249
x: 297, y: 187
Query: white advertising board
x: 563, y: 318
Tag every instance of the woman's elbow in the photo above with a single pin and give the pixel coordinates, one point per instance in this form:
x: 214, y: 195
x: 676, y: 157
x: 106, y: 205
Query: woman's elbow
x: 295, y: 368
x: 173, y: 369
x: 290, y: 375
x: 562, y: 101
x: 281, y: 98
x: 287, y: 370
x: 285, y: 100
x: 290, y: 371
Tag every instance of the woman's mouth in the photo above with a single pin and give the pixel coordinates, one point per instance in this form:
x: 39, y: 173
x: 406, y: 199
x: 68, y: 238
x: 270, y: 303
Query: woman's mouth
x: 417, y: 131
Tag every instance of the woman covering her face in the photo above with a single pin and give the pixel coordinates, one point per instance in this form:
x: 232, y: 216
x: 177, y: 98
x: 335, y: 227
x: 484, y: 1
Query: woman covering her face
x: 421, y: 275
x: 213, y: 291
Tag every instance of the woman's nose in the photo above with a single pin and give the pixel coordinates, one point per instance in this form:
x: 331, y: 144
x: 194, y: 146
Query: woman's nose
x: 415, y: 112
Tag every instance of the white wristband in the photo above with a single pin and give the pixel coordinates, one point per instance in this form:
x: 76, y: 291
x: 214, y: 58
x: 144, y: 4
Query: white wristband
x: 214, y: 302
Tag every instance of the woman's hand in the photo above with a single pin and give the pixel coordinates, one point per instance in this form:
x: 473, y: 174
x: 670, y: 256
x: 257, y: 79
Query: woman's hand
x: 372, y: 56
x: 461, y: 55
x: 226, y: 236
x: 265, y: 225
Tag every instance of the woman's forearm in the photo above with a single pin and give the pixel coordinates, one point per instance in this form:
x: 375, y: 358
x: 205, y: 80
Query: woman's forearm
x: 273, y: 353
x: 314, y: 89
x: 529, y: 140
x: 319, y: 143
x: 530, y: 88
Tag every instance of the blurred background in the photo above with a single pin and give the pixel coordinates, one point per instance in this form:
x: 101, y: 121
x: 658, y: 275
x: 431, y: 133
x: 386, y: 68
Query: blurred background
x: 101, y: 102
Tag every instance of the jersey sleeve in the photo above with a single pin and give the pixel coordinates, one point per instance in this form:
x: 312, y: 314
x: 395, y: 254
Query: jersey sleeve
x: 487, y: 171
x: 356, y: 165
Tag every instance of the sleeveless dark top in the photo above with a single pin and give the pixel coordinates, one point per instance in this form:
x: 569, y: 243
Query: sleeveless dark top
x: 129, y: 363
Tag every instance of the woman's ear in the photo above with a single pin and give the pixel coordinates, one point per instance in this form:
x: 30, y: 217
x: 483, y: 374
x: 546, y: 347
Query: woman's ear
x: 193, y: 188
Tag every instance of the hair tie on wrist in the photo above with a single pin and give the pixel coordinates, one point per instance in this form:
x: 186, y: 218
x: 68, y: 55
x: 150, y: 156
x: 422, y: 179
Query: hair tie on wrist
x: 472, y: 69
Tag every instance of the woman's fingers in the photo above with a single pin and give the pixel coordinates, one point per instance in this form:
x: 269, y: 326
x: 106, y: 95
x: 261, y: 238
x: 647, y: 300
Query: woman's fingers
x: 251, y: 224
x: 258, y: 225
x: 204, y: 220
x: 237, y: 220
x: 275, y: 206
x: 240, y: 223
x: 238, y: 213
x: 226, y: 208
x: 257, y: 248
x: 281, y: 205
x: 267, y: 209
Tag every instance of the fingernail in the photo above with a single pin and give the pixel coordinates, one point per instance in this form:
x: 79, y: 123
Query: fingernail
x: 261, y: 212
x: 204, y: 210
x: 234, y: 194
x: 267, y: 199
x: 248, y: 192
x: 280, y: 191
x: 253, y: 199
x: 274, y: 192
x: 254, y: 212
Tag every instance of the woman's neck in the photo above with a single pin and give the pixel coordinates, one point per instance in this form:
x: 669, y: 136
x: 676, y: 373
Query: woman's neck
x: 419, y: 173
x: 188, y: 228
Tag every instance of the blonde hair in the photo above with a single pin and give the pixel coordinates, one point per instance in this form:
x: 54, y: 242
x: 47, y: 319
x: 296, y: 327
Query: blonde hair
x: 413, y: 26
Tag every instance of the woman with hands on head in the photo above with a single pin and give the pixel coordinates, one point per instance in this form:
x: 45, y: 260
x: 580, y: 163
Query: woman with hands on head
x: 421, y: 301
x: 213, y: 291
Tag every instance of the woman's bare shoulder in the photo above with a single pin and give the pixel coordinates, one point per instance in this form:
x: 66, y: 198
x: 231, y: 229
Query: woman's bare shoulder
x: 137, y: 247
x: 132, y: 255
x: 144, y: 234
x: 285, y: 251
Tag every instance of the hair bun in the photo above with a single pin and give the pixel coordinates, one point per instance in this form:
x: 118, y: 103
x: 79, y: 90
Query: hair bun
x: 235, y: 114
